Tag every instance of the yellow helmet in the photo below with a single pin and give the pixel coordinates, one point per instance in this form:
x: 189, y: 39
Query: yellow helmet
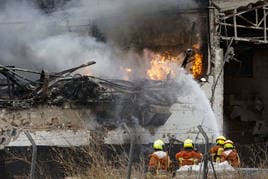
x: 188, y: 143
x: 228, y: 144
x: 158, y: 144
x: 220, y: 140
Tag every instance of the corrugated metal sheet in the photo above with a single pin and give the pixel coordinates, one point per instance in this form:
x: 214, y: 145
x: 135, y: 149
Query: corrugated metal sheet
x: 60, y: 138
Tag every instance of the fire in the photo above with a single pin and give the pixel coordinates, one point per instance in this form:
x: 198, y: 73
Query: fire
x: 127, y: 73
x: 86, y: 71
x: 163, y: 66
x: 196, y: 46
x: 197, y: 63
x: 128, y: 70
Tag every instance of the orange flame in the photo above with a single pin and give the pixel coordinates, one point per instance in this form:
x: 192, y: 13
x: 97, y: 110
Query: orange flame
x: 163, y: 66
x: 128, y: 70
x: 196, y: 46
x: 86, y: 71
x: 197, y: 64
x: 127, y: 73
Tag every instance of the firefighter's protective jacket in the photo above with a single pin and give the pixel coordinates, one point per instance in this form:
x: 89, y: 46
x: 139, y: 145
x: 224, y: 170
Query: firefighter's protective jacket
x: 215, y: 152
x: 159, y: 160
x: 231, y: 156
x: 188, y: 157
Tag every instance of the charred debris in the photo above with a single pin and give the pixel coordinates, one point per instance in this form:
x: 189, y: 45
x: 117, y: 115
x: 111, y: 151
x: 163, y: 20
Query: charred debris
x: 112, y: 101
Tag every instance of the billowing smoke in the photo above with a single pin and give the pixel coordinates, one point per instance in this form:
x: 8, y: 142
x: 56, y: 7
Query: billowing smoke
x: 64, y: 37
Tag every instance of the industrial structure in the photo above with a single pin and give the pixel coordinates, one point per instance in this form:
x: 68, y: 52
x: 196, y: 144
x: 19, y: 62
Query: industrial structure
x: 242, y: 30
x: 230, y: 37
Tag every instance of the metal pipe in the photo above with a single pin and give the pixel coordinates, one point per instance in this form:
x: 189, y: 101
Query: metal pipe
x: 205, y: 168
x: 214, y: 172
x: 206, y: 157
x: 235, y: 25
x: 243, y: 11
x: 256, y: 17
x: 241, y: 26
x: 71, y: 70
x: 19, y: 69
x: 18, y: 75
x: 130, y: 157
x: 264, y: 25
x: 130, y: 154
x: 2, y: 67
x: 34, y: 155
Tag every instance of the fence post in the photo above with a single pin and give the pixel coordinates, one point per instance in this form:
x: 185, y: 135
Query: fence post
x: 34, y: 155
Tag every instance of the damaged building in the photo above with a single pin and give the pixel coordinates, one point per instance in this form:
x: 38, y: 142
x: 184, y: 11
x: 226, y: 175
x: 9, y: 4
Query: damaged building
x: 243, y: 33
x: 146, y: 96
x: 221, y: 43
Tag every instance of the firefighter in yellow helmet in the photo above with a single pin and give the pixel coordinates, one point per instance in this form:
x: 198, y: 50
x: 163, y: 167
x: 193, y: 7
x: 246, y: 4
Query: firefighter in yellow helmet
x: 215, y: 151
x: 230, y: 154
x: 188, y: 156
x: 159, y: 162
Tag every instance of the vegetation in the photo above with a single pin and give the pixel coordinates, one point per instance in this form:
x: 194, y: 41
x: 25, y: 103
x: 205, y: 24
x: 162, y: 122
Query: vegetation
x: 97, y: 162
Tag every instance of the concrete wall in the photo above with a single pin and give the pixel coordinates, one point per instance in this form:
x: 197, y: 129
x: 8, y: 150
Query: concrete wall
x: 42, y: 118
x: 217, y: 97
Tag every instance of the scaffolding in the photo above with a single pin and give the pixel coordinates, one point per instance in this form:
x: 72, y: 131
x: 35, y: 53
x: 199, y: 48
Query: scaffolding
x: 246, y: 23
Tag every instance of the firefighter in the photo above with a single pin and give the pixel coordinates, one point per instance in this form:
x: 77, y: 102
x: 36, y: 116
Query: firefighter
x: 188, y: 156
x: 230, y: 154
x: 159, y: 160
x: 215, y: 151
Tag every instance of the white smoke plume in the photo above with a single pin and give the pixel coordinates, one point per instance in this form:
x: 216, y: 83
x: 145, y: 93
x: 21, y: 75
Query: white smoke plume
x: 32, y: 38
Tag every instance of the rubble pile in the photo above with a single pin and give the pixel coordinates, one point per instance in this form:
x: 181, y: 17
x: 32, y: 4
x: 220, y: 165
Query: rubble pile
x: 111, y: 101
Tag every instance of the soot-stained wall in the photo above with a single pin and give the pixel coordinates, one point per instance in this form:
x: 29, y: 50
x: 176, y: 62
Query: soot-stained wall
x: 246, y: 99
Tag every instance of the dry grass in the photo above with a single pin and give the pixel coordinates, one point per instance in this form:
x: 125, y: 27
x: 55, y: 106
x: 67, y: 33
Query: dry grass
x: 254, y: 155
x: 97, y: 162
x: 93, y: 161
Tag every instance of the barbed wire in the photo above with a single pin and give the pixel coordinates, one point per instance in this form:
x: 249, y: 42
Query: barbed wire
x: 176, y: 133
x: 88, y: 137
x: 161, y: 131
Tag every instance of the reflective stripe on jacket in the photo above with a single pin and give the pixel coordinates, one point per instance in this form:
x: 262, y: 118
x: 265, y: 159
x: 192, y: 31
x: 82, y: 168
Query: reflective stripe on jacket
x: 215, y: 153
x: 231, y: 156
x: 188, y: 157
x: 159, y: 160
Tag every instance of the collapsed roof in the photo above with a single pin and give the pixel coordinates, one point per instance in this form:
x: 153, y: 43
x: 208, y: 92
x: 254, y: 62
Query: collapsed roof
x: 112, y: 101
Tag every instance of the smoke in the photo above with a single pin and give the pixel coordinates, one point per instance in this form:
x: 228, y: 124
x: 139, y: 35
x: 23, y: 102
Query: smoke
x: 33, y: 38
x: 194, y: 109
x: 120, y: 18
